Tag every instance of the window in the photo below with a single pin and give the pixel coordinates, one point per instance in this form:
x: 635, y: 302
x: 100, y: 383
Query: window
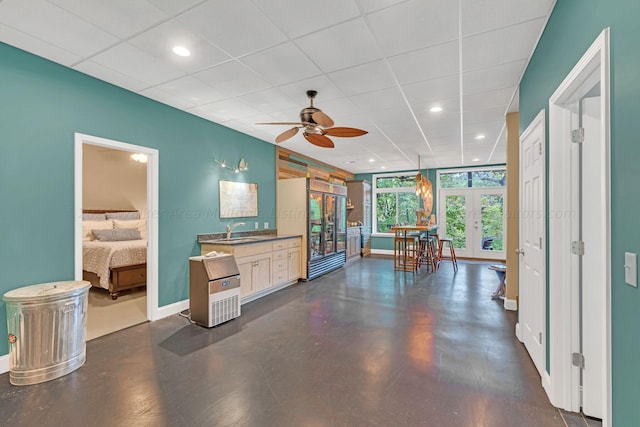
x: 474, y: 178
x: 395, y: 200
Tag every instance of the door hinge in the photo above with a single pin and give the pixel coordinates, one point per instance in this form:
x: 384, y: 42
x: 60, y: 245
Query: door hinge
x: 577, y: 360
x: 577, y: 248
x: 577, y: 135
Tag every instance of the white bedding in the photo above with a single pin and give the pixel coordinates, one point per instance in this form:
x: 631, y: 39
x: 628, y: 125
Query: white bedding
x: 98, y: 256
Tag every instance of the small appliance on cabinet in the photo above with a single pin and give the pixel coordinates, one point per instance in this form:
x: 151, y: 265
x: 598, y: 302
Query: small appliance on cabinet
x: 317, y: 210
x: 214, y: 289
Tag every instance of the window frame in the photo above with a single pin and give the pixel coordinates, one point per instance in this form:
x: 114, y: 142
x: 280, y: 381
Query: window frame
x: 469, y: 169
x: 375, y: 191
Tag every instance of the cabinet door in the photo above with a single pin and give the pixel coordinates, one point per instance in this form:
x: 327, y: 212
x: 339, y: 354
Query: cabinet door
x: 295, y: 269
x: 261, y: 272
x: 245, y: 265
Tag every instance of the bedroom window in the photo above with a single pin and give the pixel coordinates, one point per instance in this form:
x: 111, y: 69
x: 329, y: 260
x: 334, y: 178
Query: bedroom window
x: 394, y: 200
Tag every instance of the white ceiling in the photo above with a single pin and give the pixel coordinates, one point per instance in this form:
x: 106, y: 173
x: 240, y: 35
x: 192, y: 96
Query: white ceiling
x: 378, y: 65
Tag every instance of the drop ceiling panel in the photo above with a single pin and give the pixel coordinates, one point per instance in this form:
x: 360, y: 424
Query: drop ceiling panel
x: 514, y: 42
x: 326, y: 89
x: 236, y: 26
x: 432, y: 91
x: 268, y: 100
x: 166, y: 98
x: 425, y: 64
x: 160, y: 41
x: 342, y: 46
x: 385, y: 99
x: 230, y: 109
x: 46, y: 21
x: 415, y: 24
x: 192, y: 91
x: 281, y: 64
x: 364, y: 78
x: 131, y: 61
x: 491, y: 99
x: 108, y: 75
x: 486, y: 15
x: 484, y: 115
x: 498, y: 77
x: 296, y: 21
x: 122, y: 18
x: 37, y: 46
x: 373, y: 5
x: 232, y: 79
x: 173, y: 7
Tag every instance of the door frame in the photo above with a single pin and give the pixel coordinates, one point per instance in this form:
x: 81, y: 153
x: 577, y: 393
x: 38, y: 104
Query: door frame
x: 537, y: 124
x: 563, y: 389
x: 468, y: 191
x: 152, y: 209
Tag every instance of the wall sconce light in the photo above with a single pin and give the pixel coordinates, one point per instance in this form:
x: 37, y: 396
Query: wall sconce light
x: 241, y: 167
x: 139, y: 157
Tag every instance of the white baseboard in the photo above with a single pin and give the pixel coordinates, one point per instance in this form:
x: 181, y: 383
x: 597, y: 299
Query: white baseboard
x: 171, y: 309
x: 510, y: 304
x: 382, y: 252
x: 4, y: 364
x: 546, y: 385
x: 518, y: 333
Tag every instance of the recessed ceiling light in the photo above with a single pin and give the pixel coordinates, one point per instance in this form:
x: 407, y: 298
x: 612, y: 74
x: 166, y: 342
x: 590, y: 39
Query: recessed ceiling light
x: 480, y: 136
x: 436, y: 109
x: 181, y: 51
x: 476, y: 160
x: 372, y: 160
x: 383, y: 167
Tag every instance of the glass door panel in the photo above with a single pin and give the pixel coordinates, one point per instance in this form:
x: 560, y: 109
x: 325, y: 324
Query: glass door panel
x: 492, y: 221
x: 341, y: 224
x: 456, y: 220
x: 316, y: 249
x: 329, y: 224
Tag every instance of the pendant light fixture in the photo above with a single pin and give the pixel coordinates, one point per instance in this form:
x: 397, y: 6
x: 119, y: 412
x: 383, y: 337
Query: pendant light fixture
x: 424, y: 190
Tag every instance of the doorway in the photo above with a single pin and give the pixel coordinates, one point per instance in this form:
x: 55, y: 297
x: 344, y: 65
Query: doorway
x: 151, y: 209
x: 579, y: 223
x: 471, y: 211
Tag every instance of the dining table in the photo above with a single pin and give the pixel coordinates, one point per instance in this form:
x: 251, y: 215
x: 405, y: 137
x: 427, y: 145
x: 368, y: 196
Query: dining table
x: 406, y: 244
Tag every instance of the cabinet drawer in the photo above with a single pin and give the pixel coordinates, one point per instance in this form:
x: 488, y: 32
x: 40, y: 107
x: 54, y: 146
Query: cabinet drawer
x: 278, y: 245
x: 279, y: 255
x: 294, y: 243
x: 280, y: 265
x: 280, y: 277
x: 251, y: 249
x: 130, y: 275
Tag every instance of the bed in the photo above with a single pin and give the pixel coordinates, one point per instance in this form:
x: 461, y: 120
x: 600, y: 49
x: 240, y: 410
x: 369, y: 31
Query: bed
x: 114, y: 265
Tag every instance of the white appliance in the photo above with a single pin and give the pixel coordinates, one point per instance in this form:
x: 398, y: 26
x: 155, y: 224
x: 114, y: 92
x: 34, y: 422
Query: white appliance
x: 214, y: 287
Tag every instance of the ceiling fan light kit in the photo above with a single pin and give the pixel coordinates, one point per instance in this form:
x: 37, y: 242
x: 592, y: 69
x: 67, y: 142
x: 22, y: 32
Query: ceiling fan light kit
x: 316, y: 125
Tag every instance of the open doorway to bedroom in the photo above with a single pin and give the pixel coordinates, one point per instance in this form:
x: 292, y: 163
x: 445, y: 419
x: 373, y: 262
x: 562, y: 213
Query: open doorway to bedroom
x: 116, y: 248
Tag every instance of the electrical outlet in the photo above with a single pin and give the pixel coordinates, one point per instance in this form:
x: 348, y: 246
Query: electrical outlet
x: 631, y: 269
x: 257, y: 225
x: 266, y: 225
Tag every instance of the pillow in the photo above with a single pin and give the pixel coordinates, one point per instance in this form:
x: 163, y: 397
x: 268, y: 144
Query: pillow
x: 94, y: 217
x: 87, y: 226
x: 117, y: 235
x: 123, y: 215
x: 140, y: 224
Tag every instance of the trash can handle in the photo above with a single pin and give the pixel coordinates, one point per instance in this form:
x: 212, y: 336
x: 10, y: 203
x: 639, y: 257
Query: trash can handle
x: 12, y: 339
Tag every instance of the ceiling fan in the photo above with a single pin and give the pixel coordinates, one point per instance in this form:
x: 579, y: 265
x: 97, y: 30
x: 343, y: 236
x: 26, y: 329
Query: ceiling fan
x: 316, y: 125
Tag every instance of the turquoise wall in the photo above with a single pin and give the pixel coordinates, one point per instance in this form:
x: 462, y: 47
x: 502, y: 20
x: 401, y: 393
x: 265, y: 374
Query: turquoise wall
x: 42, y: 104
x: 573, y: 27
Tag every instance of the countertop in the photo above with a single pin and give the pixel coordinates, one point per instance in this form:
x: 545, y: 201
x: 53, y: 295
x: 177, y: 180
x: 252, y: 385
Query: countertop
x: 244, y: 240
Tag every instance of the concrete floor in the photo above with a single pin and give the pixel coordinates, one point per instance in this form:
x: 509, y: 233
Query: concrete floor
x: 362, y: 346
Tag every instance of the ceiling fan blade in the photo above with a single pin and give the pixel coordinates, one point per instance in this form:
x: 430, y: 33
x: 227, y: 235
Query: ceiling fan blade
x: 286, y: 135
x: 344, y: 132
x: 322, y: 119
x: 285, y: 123
x: 319, y: 140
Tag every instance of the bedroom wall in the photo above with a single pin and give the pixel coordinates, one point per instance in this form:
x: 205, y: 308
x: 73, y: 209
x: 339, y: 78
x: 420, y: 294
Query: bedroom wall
x: 572, y: 28
x: 42, y: 104
x: 112, y: 180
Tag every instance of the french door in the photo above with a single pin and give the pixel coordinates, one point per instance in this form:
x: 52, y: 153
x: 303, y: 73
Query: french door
x: 475, y: 219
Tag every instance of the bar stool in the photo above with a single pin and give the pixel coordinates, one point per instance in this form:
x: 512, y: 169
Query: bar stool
x: 406, y: 251
x: 452, y: 253
x: 427, y: 253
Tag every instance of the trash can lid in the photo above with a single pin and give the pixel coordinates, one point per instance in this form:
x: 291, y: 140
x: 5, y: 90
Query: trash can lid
x: 47, y: 290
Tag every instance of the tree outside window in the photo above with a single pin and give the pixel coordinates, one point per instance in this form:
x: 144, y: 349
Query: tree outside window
x: 395, y: 201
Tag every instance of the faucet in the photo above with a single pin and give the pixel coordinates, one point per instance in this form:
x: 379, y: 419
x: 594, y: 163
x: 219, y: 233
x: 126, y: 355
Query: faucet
x: 230, y: 228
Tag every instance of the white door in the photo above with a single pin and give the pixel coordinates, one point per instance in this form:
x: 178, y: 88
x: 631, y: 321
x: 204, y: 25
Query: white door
x: 475, y: 219
x: 532, y: 276
x: 590, y: 266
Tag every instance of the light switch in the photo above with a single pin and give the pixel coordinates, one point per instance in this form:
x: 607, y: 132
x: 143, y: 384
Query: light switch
x: 631, y: 269
x: 257, y: 226
x: 266, y: 225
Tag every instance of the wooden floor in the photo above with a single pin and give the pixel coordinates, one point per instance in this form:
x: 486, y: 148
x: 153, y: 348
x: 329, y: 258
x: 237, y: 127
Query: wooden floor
x: 362, y: 346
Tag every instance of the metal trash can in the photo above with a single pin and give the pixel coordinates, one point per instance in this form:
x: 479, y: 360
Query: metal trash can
x: 47, y: 326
